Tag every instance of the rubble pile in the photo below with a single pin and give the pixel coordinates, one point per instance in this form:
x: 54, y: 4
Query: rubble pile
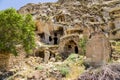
x: 31, y: 69
x: 109, y: 72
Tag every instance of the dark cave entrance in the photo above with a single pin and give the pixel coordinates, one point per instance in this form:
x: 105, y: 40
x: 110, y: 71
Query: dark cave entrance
x: 55, y: 38
x: 42, y: 35
x: 50, y: 38
x: 40, y: 54
x: 76, y: 50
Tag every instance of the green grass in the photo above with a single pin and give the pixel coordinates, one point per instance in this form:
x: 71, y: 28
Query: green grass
x: 64, y: 70
x: 40, y: 68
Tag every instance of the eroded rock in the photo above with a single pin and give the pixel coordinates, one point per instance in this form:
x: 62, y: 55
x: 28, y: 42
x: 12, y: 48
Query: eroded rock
x: 98, y: 50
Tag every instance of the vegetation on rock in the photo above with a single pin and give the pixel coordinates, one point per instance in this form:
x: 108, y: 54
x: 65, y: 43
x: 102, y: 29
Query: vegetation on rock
x: 82, y: 44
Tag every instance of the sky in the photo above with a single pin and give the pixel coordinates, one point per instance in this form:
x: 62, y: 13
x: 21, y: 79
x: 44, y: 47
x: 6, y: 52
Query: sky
x: 4, y: 4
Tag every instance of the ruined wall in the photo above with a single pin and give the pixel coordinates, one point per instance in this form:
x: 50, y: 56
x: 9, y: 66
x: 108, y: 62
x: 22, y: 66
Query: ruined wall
x: 69, y: 44
x: 98, y: 50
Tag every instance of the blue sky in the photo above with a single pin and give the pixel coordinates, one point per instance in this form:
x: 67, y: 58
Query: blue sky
x: 4, y: 4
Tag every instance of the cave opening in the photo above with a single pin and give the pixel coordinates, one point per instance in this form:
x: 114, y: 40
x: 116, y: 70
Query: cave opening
x: 76, y: 49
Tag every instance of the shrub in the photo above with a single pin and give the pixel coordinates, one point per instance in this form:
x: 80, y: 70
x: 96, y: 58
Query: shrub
x: 64, y: 70
x: 40, y: 68
x: 72, y: 57
x: 16, y: 29
x: 82, y: 44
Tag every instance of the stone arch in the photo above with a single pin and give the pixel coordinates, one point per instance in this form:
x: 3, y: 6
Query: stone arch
x: 71, y: 47
x: 69, y: 44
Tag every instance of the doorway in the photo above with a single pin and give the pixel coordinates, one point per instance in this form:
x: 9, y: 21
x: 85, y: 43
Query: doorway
x: 55, y: 40
x: 50, y: 38
x: 76, y: 50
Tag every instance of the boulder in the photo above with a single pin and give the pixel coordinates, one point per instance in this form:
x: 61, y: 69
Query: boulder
x: 98, y: 50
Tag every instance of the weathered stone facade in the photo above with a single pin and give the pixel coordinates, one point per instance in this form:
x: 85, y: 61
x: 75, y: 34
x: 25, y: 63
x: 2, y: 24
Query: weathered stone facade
x: 65, y: 18
x: 69, y: 44
x: 98, y: 50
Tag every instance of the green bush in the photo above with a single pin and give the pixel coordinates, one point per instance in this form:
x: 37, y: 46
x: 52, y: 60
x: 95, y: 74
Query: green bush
x: 16, y: 29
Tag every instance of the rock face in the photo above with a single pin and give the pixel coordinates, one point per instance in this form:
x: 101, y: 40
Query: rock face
x: 98, y: 50
x: 64, y: 1
x: 85, y: 13
x: 57, y: 20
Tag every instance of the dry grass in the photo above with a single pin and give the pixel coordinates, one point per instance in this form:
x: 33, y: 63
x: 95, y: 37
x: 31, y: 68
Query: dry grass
x: 75, y: 72
x: 76, y: 66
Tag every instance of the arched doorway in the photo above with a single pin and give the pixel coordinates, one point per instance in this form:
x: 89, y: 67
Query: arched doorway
x: 70, y: 47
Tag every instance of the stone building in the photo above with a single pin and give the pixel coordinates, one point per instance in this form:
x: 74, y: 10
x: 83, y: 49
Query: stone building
x: 49, y: 33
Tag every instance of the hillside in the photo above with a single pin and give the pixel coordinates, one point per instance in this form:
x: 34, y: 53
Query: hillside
x: 75, y: 40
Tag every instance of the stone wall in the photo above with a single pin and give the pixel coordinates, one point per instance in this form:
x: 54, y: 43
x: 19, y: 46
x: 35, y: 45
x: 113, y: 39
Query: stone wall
x: 98, y: 50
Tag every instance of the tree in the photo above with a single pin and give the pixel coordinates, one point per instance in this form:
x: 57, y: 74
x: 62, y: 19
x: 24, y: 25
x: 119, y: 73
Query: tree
x: 16, y: 29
